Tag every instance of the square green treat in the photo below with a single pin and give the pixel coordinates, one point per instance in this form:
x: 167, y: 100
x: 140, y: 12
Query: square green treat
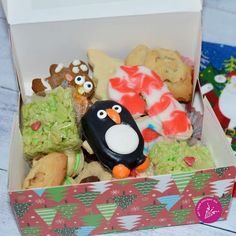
x: 49, y: 124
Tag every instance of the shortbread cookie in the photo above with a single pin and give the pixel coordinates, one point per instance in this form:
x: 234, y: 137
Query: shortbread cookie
x: 104, y: 67
x: 93, y: 172
x: 137, y: 56
x: 169, y: 66
x: 48, y: 171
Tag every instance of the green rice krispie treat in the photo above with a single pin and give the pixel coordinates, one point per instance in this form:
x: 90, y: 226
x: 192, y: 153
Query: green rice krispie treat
x: 175, y: 157
x: 49, y: 124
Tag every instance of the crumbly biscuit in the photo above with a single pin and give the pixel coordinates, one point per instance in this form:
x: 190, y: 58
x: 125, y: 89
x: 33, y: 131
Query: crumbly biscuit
x: 169, y: 66
x: 137, y: 56
x: 104, y: 67
x: 93, y: 172
x: 49, y: 170
x: 185, y: 85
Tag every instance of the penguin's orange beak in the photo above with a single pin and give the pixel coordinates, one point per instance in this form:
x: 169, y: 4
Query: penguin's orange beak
x: 113, y: 115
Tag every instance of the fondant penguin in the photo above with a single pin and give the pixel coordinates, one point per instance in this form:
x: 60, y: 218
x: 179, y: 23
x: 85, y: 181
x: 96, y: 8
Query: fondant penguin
x: 113, y: 135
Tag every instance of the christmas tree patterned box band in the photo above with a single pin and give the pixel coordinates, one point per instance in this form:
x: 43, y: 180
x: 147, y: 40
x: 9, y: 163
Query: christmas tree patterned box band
x: 123, y: 205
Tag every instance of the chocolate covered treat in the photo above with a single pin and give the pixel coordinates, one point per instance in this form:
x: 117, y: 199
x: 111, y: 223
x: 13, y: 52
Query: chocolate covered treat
x: 114, y: 137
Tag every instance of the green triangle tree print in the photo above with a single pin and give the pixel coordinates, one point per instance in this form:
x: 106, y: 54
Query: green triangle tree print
x: 92, y: 220
x: 56, y: 194
x: 110, y: 231
x: 107, y: 210
x: 220, y: 171
x: 149, y: 227
x: 67, y: 210
x: 179, y: 216
x: 124, y: 200
x: 21, y: 208
x: 225, y: 200
x: 145, y: 187
x: 87, y: 198
x: 47, y: 214
x: 230, y: 64
x: 123, y: 182
x: 29, y: 231
x: 200, y: 180
x: 154, y: 209
x: 182, y: 180
x: 196, y: 199
x: 66, y: 231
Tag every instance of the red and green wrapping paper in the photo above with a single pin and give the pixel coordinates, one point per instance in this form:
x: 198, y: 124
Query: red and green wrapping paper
x: 121, y: 205
x: 218, y: 83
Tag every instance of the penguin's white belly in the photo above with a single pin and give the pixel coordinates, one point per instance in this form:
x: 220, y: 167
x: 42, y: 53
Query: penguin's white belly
x: 122, y: 139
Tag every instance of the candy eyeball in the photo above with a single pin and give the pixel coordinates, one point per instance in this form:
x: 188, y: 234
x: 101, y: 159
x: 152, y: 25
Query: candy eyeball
x: 117, y: 108
x: 88, y: 86
x: 79, y: 80
x: 101, y: 114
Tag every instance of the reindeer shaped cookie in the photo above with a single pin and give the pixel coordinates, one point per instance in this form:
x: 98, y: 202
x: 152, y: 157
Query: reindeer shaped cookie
x: 75, y: 76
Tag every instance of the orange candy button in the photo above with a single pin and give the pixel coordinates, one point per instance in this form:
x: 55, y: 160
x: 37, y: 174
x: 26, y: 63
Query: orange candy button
x: 144, y: 165
x: 120, y: 171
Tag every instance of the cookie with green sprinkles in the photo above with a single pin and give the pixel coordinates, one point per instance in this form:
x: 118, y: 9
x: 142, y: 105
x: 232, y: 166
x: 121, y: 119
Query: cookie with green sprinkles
x: 49, y: 124
x: 175, y: 157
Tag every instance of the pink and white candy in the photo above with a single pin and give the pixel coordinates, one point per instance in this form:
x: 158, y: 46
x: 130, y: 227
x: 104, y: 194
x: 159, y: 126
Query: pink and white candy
x: 142, y: 91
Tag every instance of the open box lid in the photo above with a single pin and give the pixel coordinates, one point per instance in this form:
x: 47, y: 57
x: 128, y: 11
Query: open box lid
x: 58, y: 31
x: 31, y: 11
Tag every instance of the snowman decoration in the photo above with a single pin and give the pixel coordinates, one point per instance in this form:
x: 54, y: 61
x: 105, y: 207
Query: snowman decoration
x: 227, y: 101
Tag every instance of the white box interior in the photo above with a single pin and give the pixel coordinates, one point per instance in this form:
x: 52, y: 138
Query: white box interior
x: 36, y: 46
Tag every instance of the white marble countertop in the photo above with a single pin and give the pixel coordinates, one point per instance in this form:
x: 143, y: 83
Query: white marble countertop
x: 219, y: 17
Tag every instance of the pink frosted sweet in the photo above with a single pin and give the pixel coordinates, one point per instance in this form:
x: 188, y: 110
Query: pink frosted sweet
x: 142, y: 92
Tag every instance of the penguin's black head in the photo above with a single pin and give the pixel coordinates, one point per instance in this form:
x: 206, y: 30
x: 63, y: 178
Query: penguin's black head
x: 104, y: 114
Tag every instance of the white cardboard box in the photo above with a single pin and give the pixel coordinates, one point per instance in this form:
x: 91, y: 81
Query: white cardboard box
x: 45, y: 32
